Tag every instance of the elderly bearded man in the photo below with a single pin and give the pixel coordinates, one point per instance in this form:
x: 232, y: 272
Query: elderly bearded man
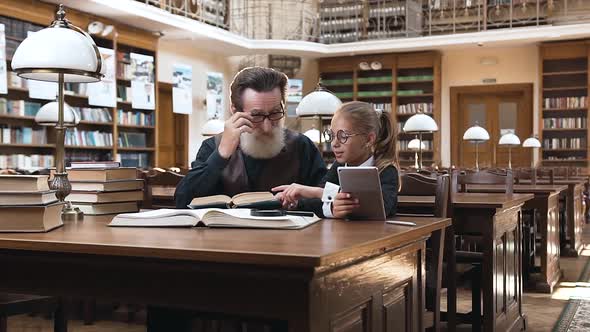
x: 254, y: 152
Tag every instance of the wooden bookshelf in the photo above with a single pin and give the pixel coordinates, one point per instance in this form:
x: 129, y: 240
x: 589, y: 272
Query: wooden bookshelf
x: 563, y: 92
x: 35, y: 15
x: 416, y: 74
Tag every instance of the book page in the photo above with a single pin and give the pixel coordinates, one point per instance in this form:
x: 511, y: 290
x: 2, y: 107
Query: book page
x: 238, y: 213
x: 210, y: 200
x: 170, y: 221
x: 252, y: 197
x: 160, y: 213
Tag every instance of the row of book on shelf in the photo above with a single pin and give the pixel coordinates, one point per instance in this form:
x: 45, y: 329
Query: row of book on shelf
x: 18, y: 107
x: 100, y: 138
x: 15, y: 81
x: 135, y: 118
x: 33, y: 162
x: 139, y: 159
x: 28, y: 162
x: 403, y: 145
x: 566, y: 123
x: 415, y: 108
x: 564, y: 143
x: 132, y: 139
x: 27, y: 204
x: 93, y: 114
x: 22, y: 135
x: 565, y: 102
x: 560, y: 158
x: 88, y: 137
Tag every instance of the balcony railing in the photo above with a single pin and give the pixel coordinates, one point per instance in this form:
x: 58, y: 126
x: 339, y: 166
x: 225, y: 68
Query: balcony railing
x: 213, y: 12
x: 341, y: 21
x: 348, y: 20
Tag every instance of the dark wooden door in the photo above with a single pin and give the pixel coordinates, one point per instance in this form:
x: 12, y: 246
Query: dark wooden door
x: 498, y: 113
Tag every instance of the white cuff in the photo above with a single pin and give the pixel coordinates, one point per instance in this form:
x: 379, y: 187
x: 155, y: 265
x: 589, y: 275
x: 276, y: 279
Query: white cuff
x: 330, y: 192
x: 327, y: 210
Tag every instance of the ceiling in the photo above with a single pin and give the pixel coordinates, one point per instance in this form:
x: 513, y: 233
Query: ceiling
x: 201, y: 35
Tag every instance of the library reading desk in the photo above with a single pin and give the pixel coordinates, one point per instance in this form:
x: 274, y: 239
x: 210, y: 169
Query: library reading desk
x: 332, y: 276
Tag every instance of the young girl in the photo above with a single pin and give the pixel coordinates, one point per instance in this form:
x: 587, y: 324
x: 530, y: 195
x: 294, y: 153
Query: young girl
x: 360, y: 136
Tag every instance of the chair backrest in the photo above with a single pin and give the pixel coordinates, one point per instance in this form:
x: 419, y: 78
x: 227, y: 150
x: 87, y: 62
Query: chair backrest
x: 416, y: 184
x: 461, y: 179
x: 159, y: 189
x: 534, y: 174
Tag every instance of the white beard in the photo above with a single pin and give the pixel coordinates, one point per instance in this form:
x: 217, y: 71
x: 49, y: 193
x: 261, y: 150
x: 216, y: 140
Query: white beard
x: 263, y: 147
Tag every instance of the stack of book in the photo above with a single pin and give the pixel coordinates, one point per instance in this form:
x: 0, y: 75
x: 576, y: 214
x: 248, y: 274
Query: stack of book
x: 27, y: 204
x: 100, y: 188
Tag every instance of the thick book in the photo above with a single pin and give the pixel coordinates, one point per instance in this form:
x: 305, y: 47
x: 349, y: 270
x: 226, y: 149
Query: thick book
x: 116, y: 185
x: 101, y: 174
x: 39, y: 218
x: 94, y: 209
x: 251, y: 200
x: 26, y: 183
x: 27, y: 198
x: 94, y: 164
x: 233, y: 218
x: 105, y: 196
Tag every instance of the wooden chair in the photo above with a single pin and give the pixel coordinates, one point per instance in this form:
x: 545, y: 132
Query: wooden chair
x: 419, y: 184
x: 159, y: 189
x: 468, y: 246
x: 18, y: 304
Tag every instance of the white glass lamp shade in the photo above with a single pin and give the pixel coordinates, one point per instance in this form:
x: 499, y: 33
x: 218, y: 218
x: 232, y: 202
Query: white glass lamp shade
x: 314, y: 135
x: 415, y: 144
x: 319, y: 102
x: 60, y: 48
x: 531, y: 142
x: 420, y: 123
x: 48, y: 115
x: 476, y: 134
x: 509, y: 139
x: 212, y: 127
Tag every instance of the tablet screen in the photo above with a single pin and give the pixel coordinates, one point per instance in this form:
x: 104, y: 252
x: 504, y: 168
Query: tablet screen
x: 363, y: 183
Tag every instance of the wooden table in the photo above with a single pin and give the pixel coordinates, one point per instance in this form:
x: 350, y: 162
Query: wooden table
x: 575, y: 214
x: 496, y: 217
x: 546, y: 202
x: 332, y: 276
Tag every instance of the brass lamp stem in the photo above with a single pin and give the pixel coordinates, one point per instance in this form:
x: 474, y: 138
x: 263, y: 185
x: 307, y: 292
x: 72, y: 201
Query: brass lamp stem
x: 476, y: 156
x: 60, y: 180
x: 420, y: 149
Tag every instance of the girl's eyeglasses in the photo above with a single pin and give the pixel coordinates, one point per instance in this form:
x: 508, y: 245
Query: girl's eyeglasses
x: 341, y: 136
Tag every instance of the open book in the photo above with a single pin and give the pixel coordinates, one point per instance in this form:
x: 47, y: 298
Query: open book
x: 252, y: 200
x: 237, y: 218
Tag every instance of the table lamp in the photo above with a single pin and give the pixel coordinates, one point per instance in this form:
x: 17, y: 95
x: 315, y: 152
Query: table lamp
x: 419, y: 124
x: 533, y: 143
x: 510, y: 140
x: 59, y: 53
x: 477, y: 135
x: 416, y: 145
x: 319, y: 102
x: 313, y: 134
x: 212, y: 127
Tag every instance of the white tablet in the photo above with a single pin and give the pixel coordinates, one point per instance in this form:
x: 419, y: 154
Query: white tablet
x: 363, y: 183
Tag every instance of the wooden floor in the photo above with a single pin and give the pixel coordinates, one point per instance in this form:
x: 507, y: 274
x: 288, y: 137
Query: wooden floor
x: 542, y: 310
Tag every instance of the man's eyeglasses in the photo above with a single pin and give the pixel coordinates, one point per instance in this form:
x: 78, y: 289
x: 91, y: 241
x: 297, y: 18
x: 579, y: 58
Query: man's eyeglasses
x: 341, y: 136
x: 272, y: 116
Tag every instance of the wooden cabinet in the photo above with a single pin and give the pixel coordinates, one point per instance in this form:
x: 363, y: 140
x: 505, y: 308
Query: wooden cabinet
x: 403, y: 84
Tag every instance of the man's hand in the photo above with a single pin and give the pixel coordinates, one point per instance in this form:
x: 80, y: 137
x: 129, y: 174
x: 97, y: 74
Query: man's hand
x: 291, y: 193
x: 238, y: 123
x: 343, y: 205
